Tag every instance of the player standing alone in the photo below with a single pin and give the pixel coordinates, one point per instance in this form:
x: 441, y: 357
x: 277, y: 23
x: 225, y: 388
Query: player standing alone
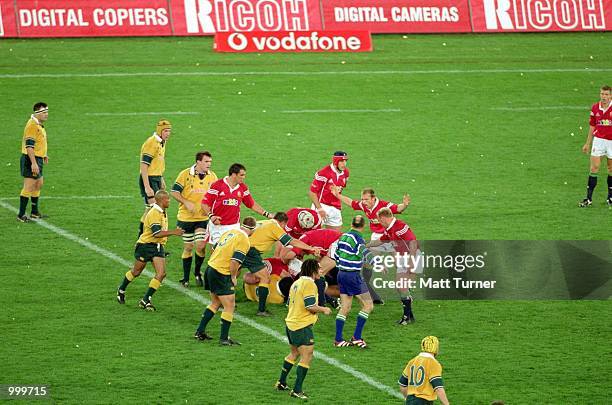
x: 421, y: 381
x: 600, y: 135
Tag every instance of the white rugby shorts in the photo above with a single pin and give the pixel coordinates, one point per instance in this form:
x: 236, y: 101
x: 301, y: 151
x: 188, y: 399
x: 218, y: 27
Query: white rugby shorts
x: 601, y: 147
x: 334, y: 215
x: 215, y: 231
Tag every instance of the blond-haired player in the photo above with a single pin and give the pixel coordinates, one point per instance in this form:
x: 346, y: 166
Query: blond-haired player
x: 421, y: 381
x: 189, y: 189
x: 153, y: 165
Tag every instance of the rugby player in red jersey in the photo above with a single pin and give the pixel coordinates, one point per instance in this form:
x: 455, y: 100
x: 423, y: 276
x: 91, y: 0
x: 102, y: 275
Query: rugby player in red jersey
x: 222, y: 203
x: 323, y: 200
x: 404, y: 241
x: 600, y: 135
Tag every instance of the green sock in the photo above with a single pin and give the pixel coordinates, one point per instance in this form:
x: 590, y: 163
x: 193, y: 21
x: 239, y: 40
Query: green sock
x: 124, y: 284
x: 148, y: 294
x: 263, y: 297
x: 206, y: 317
x: 34, y: 204
x: 301, y: 375
x: 285, y: 371
x: 186, y: 267
x: 23, y: 205
x: 198, y: 264
x: 225, y: 327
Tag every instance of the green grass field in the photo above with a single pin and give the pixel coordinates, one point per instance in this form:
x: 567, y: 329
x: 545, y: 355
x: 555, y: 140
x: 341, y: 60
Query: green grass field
x: 484, y: 132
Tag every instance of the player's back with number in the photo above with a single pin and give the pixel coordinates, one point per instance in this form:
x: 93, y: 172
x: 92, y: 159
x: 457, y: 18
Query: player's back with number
x: 423, y: 375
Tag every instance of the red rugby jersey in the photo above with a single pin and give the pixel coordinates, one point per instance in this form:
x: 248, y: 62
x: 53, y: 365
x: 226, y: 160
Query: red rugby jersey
x: 321, y: 238
x: 225, y: 201
x: 375, y: 226
x: 324, y: 179
x: 602, y: 121
x: 293, y: 227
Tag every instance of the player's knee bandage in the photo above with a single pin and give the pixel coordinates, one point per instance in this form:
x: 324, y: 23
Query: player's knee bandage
x: 25, y: 193
x: 130, y: 276
x: 155, y: 283
x: 186, y: 255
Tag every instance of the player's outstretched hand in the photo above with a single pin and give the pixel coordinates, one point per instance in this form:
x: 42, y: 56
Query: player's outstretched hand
x: 326, y: 310
x: 316, y: 251
x: 406, y: 200
x: 585, y: 148
x: 179, y: 231
x: 215, y: 220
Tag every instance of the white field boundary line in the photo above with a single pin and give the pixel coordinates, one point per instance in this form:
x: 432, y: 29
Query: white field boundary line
x: 113, y: 114
x: 542, y: 108
x: 196, y: 297
x: 384, y: 110
x: 77, y: 197
x: 300, y: 73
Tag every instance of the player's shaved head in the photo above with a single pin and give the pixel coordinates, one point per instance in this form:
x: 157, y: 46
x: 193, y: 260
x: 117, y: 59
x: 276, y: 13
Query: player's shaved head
x: 160, y: 195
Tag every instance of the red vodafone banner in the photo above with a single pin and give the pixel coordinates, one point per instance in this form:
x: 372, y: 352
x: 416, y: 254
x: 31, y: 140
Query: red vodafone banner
x: 206, y: 17
x: 541, y: 15
x: 60, y: 18
x: 303, y: 41
x: 401, y: 16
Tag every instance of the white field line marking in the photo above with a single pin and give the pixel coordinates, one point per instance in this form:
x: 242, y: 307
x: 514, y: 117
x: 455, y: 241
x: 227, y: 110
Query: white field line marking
x: 385, y: 110
x: 76, y: 197
x: 175, y: 286
x: 536, y: 108
x: 111, y: 114
x: 300, y: 73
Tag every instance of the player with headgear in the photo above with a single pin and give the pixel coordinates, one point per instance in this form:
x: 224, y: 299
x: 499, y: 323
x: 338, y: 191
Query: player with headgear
x: 421, y: 381
x: 328, y: 206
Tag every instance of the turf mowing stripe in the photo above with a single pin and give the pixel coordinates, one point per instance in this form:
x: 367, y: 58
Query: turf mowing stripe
x: 264, y: 329
x: 543, y: 108
x: 301, y: 73
x: 388, y: 110
x: 77, y: 197
x: 112, y: 114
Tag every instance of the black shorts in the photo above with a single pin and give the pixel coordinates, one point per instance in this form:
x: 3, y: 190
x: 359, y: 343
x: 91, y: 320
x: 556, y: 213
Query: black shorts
x: 217, y: 283
x: 145, y: 252
x: 412, y: 400
x: 154, y: 181
x: 300, y: 337
x: 253, y: 261
x: 26, y: 167
x: 190, y: 227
